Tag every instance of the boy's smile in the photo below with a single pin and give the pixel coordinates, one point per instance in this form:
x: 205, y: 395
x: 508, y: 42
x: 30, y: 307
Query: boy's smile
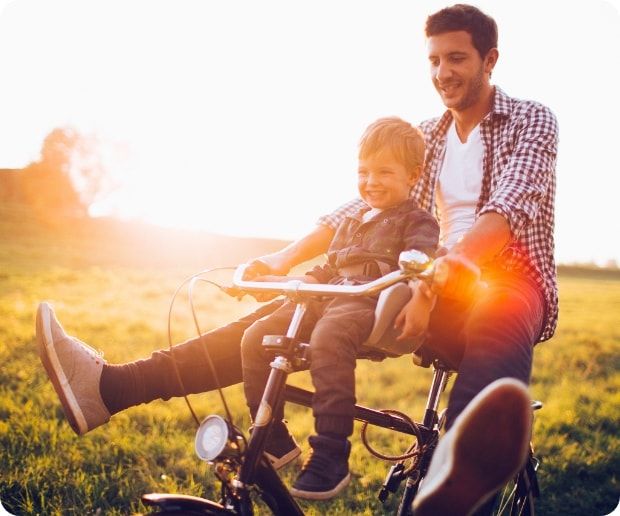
x: 384, y: 182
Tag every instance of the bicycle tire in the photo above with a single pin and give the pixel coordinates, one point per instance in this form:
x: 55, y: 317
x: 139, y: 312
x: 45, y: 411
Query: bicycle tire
x: 516, y: 498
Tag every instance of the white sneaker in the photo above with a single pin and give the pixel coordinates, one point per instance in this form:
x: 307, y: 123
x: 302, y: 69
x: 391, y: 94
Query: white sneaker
x: 74, y: 369
x: 486, y: 447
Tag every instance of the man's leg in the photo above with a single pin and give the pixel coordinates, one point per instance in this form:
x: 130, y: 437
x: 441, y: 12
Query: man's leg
x: 488, y: 417
x: 280, y: 448
x: 499, y: 334
x: 91, y: 390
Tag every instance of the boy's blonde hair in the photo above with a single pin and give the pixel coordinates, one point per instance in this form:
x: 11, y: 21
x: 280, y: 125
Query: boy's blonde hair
x: 400, y: 138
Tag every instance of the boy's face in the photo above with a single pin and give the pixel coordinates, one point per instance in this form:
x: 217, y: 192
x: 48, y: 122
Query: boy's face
x: 384, y: 182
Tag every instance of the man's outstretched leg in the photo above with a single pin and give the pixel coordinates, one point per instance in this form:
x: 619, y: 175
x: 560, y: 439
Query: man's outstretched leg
x: 91, y: 390
x: 74, y: 368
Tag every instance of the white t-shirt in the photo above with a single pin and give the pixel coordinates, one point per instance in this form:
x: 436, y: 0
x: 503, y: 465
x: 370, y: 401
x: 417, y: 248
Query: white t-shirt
x: 459, y: 184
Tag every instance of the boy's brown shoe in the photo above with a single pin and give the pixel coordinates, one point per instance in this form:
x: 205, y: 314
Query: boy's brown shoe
x: 74, y: 369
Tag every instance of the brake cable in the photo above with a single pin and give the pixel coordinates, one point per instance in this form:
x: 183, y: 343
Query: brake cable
x: 192, y: 280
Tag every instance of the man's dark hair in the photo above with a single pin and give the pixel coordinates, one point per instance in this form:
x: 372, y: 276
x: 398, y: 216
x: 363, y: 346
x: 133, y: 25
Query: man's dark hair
x: 481, y: 27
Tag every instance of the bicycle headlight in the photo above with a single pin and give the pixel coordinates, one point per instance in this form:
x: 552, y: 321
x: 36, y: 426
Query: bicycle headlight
x: 213, y: 438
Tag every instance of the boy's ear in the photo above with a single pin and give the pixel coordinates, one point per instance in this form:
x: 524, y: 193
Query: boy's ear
x: 414, y: 174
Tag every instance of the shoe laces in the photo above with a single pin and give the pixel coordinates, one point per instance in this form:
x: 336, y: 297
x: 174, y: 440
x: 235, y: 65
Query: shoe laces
x: 95, y: 353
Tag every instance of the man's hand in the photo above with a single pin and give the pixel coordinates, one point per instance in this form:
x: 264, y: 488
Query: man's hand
x: 263, y: 266
x: 276, y: 278
x: 456, y: 276
x: 281, y: 262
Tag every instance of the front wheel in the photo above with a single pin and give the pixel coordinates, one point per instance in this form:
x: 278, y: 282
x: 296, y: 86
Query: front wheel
x: 517, y: 497
x: 168, y: 504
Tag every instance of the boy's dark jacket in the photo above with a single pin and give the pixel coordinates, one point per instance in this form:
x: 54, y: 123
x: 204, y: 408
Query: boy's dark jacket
x: 371, y: 249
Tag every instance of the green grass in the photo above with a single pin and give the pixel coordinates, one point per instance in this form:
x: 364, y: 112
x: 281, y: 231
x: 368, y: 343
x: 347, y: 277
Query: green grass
x: 114, y: 293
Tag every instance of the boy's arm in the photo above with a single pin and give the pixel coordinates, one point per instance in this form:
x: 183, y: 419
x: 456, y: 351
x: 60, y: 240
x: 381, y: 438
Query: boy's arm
x: 421, y: 232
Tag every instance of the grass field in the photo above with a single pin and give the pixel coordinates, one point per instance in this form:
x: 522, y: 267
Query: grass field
x: 113, y: 290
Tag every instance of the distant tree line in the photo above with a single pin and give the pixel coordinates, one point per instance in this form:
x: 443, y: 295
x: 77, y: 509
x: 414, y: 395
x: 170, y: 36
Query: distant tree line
x: 66, y: 179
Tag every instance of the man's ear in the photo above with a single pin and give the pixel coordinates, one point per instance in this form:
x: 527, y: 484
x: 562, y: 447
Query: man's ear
x: 491, y: 60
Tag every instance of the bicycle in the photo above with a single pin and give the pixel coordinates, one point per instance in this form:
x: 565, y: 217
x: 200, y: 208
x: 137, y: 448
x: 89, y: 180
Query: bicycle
x: 244, y: 472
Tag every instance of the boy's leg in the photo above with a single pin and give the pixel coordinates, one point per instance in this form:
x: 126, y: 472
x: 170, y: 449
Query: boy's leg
x: 91, y: 390
x: 334, y: 343
x: 491, y: 342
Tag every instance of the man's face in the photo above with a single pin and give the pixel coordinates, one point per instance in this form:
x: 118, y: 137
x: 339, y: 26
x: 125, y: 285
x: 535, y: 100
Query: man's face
x: 457, y: 70
x: 382, y: 181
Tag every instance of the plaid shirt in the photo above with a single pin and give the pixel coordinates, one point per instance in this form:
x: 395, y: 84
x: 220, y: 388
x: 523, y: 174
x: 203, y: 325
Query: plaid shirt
x: 520, y: 141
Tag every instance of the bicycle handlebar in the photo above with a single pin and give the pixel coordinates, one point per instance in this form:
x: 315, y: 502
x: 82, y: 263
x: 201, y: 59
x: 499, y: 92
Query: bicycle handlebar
x: 413, y: 264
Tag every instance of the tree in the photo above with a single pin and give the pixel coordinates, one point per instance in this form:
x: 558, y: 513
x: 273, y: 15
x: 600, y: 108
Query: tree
x: 68, y: 177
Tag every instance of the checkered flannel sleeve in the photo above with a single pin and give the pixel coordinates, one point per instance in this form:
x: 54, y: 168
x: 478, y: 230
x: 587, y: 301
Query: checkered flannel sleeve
x: 528, y: 173
x: 348, y: 209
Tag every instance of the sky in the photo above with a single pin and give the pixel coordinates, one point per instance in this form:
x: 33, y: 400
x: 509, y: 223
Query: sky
x: 243, y: 117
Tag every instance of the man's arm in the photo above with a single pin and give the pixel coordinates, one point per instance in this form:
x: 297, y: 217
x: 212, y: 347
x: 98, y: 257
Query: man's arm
x: 299, y: 251
x: 528, y: 173
x: 458, y: 272
x: 307, y: 247
x: 485, y: 240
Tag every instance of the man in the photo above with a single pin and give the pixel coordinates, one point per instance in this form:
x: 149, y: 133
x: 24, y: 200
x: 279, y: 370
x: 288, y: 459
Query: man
x: 489, y: 176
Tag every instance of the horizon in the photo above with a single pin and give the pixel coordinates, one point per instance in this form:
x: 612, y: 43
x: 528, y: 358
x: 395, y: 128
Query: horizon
x: 215, y: 104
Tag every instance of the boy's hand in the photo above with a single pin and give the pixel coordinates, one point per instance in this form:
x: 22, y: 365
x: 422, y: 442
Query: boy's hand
x: 414, y: 317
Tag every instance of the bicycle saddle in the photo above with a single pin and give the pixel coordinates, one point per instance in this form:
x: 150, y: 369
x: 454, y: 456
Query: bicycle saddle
x: 382, y: 338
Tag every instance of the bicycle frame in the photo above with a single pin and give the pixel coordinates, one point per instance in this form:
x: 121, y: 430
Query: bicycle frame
x: 250, y: 467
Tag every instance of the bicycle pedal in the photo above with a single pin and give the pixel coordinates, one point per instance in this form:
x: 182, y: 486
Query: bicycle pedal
x: 392, y: 481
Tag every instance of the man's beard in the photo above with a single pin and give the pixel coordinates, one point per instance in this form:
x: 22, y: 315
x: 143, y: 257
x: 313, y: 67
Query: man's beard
x: 472, y: 94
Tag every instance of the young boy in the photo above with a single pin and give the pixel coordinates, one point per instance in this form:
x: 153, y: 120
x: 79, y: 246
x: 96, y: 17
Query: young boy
x: 366, y: 246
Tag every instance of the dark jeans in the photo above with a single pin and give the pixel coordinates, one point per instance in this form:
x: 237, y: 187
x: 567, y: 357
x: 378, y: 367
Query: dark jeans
x: 157, y: 376
x: 334, y: 330
x: 486, y: 339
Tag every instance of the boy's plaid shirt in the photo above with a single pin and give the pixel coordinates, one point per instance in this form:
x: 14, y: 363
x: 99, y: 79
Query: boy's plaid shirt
x: 520, y: 139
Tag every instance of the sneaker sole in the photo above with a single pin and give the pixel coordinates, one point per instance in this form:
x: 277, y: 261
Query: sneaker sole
x: 285, y: 460
x: 322, y: 495
x: 473, y: 472
x: 54, y: 370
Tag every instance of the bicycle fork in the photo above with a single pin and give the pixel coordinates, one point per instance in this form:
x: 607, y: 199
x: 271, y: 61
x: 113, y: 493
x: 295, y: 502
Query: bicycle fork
x: 255, y: 469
